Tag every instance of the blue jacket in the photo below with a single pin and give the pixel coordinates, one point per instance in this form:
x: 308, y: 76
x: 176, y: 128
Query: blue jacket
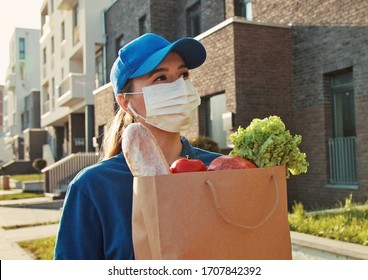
x: 97, y: 213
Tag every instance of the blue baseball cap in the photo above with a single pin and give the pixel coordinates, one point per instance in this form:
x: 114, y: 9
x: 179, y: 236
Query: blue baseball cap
x: 144, y: 54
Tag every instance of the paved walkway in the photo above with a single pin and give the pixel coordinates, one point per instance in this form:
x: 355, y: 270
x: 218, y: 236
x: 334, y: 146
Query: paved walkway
x: 26, y: 212
x: 44, y: 210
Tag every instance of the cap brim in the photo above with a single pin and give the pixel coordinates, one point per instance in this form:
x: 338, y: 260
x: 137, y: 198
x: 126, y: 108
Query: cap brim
x: 192, y: 52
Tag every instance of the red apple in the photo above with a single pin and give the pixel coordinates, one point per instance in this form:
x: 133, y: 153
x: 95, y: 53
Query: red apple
x: 226, y: 162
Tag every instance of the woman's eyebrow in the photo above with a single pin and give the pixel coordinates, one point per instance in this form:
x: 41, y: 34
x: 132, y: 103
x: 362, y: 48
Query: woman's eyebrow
x: 158, y: 70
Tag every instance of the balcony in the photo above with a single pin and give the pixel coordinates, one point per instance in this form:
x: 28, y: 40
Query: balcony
x: 66, y: 5
x: 46, y: 27
x: 46, y: 107
x: 62, y: 48
x: 72, y: 90
x: 343, y: 165
x: 76, y: 36
x: 10, y: 81
x: 44, y: 71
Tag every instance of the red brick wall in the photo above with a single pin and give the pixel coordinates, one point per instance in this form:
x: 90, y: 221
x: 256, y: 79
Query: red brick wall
x: 361, y: 105
x: 104, y: 107
x: 252, y: 65
x: 216, y: 75
x: 263, y: 73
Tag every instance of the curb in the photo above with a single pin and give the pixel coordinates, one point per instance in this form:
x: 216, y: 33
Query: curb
x: 324, y: 248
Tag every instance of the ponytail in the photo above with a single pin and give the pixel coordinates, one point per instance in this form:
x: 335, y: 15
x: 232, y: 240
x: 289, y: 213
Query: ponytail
x: 111, y: 145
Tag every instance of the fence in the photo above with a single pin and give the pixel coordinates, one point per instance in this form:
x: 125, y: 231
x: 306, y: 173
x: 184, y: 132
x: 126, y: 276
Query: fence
x: 343, y: 160
x: 61, y: 173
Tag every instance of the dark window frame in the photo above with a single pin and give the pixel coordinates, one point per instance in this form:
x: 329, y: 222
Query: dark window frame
x: 194, y: 22
x: 22, y: 48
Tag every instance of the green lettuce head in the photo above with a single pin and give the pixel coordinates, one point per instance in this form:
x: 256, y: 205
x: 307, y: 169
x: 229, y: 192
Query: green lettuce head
x: 267, y: 143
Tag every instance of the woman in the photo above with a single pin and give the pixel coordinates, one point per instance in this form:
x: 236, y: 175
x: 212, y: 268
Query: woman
x: 148, y: 73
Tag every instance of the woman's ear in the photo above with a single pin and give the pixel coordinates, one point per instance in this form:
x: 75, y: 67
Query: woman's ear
x: 123, y: 102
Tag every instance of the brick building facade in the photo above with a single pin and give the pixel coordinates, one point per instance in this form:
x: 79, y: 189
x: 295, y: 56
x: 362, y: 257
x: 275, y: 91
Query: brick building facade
x: 125, y: 20
x: 292, y: 59
x: 329, y: 40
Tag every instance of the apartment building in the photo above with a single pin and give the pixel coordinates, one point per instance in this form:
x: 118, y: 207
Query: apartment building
x: 5, y: 155
x: 302, y: 60
x: 21, y: 81
x: 71, y: 48
x: 1, y: 109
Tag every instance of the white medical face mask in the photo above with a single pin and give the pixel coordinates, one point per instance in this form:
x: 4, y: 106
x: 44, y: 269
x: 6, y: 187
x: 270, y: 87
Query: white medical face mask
x: 170, y: 106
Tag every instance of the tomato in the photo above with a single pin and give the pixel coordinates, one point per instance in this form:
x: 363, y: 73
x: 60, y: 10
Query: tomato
x: 187, y: 165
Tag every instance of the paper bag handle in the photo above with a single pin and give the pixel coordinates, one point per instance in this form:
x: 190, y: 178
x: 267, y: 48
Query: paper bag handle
x: 230, y: 221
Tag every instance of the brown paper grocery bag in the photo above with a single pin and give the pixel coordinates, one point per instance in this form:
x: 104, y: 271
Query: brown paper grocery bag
x: 230, y: 214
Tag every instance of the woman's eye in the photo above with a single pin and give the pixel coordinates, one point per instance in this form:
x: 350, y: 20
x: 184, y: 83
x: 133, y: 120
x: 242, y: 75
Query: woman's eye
x: 160, y: 78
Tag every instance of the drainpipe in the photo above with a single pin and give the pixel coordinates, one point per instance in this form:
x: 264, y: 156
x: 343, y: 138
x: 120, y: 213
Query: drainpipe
x: 104, y: 45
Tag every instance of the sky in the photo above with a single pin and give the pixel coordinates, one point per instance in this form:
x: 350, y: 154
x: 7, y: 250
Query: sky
x: 16, y: 13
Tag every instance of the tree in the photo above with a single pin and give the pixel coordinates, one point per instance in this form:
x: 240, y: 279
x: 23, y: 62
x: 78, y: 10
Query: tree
x: 39, y: 164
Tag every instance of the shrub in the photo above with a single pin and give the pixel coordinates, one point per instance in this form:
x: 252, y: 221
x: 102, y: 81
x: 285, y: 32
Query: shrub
x: 39, y: 164
x: 349, y: 223
x: 205, y: 143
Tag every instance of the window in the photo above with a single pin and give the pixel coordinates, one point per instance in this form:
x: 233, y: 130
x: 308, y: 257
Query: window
x: 342, y: 147
x: 194, y: 20
x: 21, y: 69
x: 142, y: 25
x: 243, y: 8
x: 216, y: 106
x: 51, y: 107
x: 26, y: 118
x: 44, y: 56
x: 120, y: 42
x: 101, y: 133
x: 22, y: 48
x: 45, y: 98
x: 52, y: 45
x: 5, y: 108
x: 76, y: 35
x: 343, y: 105
x: 45, y: 20
x: 75, y: 15
x: 23, y: 121
x: 99, y: 75
x: 62, y: 31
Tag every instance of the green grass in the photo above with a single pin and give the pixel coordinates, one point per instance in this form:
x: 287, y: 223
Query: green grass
x: 41, y: 249
x: 349, y: 224
x: 21, y: 195
x: 25, y: 177
x: 28, y: 177
x: 30, y: 225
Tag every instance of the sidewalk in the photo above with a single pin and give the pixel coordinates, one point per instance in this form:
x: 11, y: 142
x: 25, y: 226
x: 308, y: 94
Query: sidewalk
x: 26, y: 212
x: 44, y: 210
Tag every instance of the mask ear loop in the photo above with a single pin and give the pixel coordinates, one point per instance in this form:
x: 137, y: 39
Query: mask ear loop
x: 135, y: 114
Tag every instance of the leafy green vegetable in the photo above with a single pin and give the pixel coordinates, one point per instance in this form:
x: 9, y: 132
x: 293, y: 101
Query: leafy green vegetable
x: 267, y: 143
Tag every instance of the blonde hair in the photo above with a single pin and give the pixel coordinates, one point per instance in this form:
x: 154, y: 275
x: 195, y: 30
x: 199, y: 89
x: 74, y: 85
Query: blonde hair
x: 111, y: 145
